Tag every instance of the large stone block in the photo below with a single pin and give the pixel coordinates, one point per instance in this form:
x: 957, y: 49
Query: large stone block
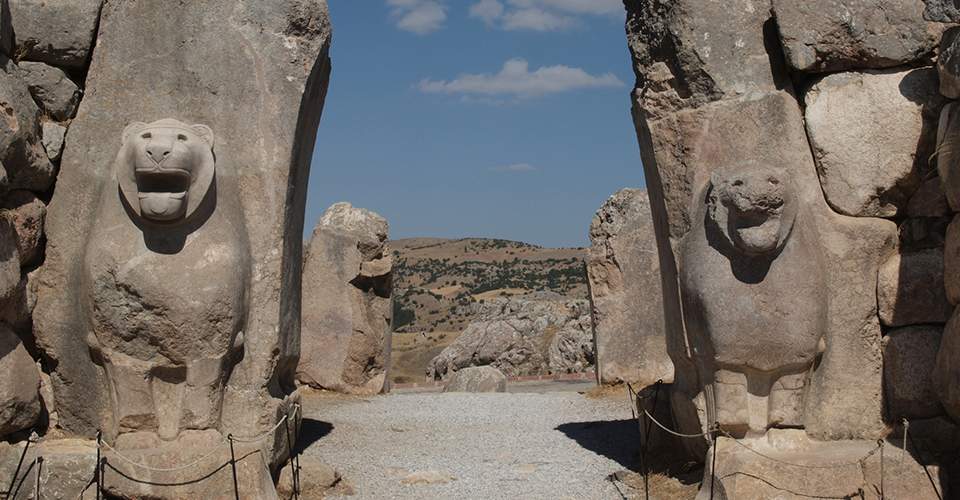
x: 57, y: 32
x: 910, y: 289
x: 833, y: 35
x: 19, y: 384
x: 347, y: 306
x: 21, y: 152
x: 67, y: 469
x: 27, y: 214
x: 909, y: 355
x: 946, y: 371
x: 787, y: 466
x: 256, y: 75
x: 951, y: 262
x: 872, y: 134
x: 681, y: 151
x: 688, y: 52
x: 929, y: 200
x: 623, y: 272
x: 52, y: 89
x: 943, y: 11
x: 477, y: 379
x: 948, y: 63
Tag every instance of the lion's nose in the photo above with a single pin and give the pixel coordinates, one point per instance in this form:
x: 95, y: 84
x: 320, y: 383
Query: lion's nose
x: 158, y: 152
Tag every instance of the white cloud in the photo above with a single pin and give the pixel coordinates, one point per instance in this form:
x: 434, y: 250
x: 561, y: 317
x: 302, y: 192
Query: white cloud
x: 418, y: 16
x: 519, y: 167
x: 516, y: 78
x: 542, y: 15
x: 487, y: 10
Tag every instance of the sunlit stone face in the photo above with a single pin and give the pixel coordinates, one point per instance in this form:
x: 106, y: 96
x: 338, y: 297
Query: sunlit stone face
x: 753, y: 208
x: 165, y: 168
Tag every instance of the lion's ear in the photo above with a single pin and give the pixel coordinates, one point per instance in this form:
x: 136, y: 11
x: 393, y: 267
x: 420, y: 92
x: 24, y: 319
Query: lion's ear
x: 205, y: 133
x: 131, y: 129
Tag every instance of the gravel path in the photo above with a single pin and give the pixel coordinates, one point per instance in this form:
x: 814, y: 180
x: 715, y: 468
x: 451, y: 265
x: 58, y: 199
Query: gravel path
x: 552, y: 445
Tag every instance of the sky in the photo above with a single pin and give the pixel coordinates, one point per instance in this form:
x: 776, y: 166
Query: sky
x: 503, y: 119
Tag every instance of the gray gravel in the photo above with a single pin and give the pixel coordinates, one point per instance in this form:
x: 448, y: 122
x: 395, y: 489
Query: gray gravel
x: 555, y: 445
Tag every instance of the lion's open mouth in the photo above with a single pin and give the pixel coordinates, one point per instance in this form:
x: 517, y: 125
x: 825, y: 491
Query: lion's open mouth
x: 759, y: 237
x: 163, y: 193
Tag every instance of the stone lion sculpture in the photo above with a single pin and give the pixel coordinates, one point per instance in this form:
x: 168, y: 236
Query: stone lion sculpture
x: 165, y: 288
x: 754, y: 299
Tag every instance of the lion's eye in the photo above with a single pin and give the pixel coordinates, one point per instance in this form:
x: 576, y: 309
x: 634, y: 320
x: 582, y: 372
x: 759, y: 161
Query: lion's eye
x: 774, y: 181
x: 737, y: 183
x: 146, y: 135
x: 181, y: 137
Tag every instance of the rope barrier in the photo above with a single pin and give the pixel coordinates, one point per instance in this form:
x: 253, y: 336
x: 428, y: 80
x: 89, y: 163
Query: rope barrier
x: 803, y: 466
x: 702, y: 434
x: 33, y: 438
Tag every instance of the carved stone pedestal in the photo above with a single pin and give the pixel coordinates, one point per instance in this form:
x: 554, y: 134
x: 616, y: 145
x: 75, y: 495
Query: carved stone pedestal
x: 211, y: 476
x: 785, y: 465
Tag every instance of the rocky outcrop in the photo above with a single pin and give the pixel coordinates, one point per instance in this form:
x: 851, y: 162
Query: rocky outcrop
x: 347, y: 303
x: 522, y: 336
x: 477, y: 379
x: 623, y: 272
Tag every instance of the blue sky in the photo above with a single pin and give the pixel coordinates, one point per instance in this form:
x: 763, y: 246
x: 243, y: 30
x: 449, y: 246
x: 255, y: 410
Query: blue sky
x: 477, y: 118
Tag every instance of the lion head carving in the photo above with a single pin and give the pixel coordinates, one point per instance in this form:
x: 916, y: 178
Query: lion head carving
x: 165, y: 168
x: 753, y: 207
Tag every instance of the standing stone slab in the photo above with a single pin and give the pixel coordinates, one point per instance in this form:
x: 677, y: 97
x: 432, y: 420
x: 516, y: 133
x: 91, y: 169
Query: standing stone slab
x: 347, y: 306
x: 834, y: 35
x: 680, y: 151
x: 256, y: 73
x: 19, y: 384
x: 58, y: 32
x: 872, y: 134
x: 623, y: 271
x: 909, y: 355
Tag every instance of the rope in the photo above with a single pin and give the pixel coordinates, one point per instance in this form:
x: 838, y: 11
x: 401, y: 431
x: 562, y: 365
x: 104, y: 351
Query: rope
x: 208, y: 455
x: 645, y: 412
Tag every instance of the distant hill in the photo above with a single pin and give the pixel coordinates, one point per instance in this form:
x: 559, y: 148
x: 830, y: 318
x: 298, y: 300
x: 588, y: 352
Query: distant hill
x: 438, y: 284
x: 433, y: 276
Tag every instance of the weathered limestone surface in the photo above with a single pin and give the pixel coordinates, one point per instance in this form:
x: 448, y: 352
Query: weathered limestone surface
x: 22, y: 156
x: 948, y: 153
x: 19, y: 384
x: 798, y: 468
x: 57, y: 32
x: 943, y: 11
x: 948, y: 64
x: 929, y: 200
x: 909, y: 355
x: 910, y: 289
x: 477, y: 379
x: 27, y: 214
x: 67, y: 468
x: 832, y: 35
x: 521, y: 336
x: 623, y: 272
x: 946, y: 376
x: 951, y: 262
x: 256, y: 74
x: 347, y: 306
x: 52, y: 89
x: 872, y: 134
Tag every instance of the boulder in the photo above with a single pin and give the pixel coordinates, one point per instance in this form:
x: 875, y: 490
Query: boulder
x: 941, y: 11
x: 21, y: 152
x: 910, y: 289
x: 519, y: 336
x: 476, y: 379
x: 623, y: 275
x: 871, y: 137
x: 315, y: 477
x: 347, y: 306
x: 27, y: 213
x: 948, y: 64
x: 948, y: 153
x: 830, y: 35
x: 929, y: 200
x: 688, y: 52
x: 19, y: 384
x: 909, y: 355
x: 951, y: 262
x: 60, y: 33
x: 9, y: 262
x: 52, y: 89
x: 248, y: 82
x: 53, y: 135
x: 946, y: 371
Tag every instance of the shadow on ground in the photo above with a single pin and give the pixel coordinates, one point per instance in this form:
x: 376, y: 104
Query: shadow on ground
x: 311, y: 431
x: 618, y: 440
